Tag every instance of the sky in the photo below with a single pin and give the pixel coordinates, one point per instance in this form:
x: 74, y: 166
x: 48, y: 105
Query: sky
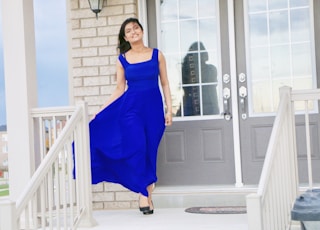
x: 51, y: 55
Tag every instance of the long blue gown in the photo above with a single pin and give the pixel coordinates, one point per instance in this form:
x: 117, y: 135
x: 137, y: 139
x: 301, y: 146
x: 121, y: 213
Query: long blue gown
x: 124, y: 137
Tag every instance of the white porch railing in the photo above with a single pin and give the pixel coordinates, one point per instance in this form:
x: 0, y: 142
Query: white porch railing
x: 53, y: 199
x: 270, y: 208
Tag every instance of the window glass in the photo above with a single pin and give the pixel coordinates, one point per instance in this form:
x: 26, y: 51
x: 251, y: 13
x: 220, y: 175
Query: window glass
x: 301, y: 60
x: 279, y: 27
x: 300, y: 25
x: 258, y: 29
x: 260, y: 63
x: 208, y: 33
x: 280, y: 61
x: 297, y: 3
x: 169, y: 10
x: 254, y: 5
x: 210, y: 100
x: 169, y: 33
x: 207, y: 8
x: 187, y: 9
x: 279, y: 50
x: 190, y: 42
x: 277, y: 4
x: 188, y: 33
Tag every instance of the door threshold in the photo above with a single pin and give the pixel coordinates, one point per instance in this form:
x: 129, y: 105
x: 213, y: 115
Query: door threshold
x: 205, y: 189
x: 191, y: 196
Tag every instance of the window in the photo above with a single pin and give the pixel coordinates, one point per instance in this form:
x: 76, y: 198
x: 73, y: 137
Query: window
x: 190, y: 42
x: 279, y: 50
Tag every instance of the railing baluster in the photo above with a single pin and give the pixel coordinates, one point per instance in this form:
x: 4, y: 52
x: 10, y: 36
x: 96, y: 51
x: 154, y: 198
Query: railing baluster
x: 54, y: 128
x: 307, y: 123
x: 42, y: 140
x: 42, y: 204
x: 50, y: 197
x: 70, y: 179
x: 57, y: 193
x: 26, y: 223
x: 76, y: 146
x: 63, y: 186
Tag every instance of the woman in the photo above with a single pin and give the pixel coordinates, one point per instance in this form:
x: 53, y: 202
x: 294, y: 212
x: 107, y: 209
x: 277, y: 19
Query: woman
x: 125, y: 135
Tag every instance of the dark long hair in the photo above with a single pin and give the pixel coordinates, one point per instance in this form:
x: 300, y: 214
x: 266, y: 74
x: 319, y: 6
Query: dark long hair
x: 123, y: 45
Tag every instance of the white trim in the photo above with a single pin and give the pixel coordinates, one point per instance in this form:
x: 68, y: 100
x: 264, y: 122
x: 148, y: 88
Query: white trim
x: 142, y: 15
x: 234, y: 95
x: 158, y: 18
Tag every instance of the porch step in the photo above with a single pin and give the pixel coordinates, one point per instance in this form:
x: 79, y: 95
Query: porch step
x: 200, y: 196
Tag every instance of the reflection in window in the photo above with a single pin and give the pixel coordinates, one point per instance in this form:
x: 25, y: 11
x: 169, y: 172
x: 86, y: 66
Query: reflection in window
x: 258, y: 29
x: 300, y: 25
x: 192, y: 76
x: 254, y: 5
x: 301, y: 60
x: 186, y: 9
x: 206, y: 8
x: 190, y: 42
x: 278, y: 50
x: 260, y: 63
x: 170, y: 30
x: 296, y: 3
x: 277, y: 4
x: 187, y: 28
x: 280, y: 62
x: 208, y: 33
x: 169, y: 9
x: 279, y: 27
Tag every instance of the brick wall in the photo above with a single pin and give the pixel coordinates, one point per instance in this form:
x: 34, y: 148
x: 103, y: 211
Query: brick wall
x: 93, y: 57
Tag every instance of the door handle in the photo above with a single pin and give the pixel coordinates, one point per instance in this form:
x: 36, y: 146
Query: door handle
x: 243, y: 102
x: 226, y: 104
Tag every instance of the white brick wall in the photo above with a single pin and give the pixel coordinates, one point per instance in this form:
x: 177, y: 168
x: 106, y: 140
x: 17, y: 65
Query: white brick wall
x: 94, y: 54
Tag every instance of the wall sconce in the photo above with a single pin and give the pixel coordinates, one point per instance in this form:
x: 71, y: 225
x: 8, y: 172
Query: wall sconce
x: 96, y: 6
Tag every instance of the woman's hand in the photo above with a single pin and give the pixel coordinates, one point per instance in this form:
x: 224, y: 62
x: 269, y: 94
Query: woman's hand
x: 168, y: 119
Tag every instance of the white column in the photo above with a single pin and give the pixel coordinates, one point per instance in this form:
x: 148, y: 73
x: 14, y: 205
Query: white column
x: 235, y: 112
x: 21, y: 89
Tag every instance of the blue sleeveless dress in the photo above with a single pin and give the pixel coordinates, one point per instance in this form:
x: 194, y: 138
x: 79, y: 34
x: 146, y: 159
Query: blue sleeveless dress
x: 124, y: 137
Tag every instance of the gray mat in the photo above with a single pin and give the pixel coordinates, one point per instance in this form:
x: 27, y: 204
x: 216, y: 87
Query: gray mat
x: 218, y: 210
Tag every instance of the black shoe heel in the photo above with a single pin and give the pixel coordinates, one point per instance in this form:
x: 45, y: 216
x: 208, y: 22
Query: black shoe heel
x: 148, y: 212
x: 144, y: 209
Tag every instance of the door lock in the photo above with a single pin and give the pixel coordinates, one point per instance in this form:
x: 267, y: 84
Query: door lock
x: 243, y: 102
x: 242, y: 77
x: 226, y: 78
x: 242, y: 91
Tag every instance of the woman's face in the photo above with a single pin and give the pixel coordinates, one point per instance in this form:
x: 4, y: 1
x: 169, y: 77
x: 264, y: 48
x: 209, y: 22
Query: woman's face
x: 133, y: 32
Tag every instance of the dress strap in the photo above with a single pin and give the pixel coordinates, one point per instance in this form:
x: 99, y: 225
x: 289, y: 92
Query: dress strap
x: 155, y: 54
x: 123, y: 60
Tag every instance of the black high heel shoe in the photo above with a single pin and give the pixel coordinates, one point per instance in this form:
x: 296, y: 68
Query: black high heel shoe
x: 147, y: 210
x: 144, y: 209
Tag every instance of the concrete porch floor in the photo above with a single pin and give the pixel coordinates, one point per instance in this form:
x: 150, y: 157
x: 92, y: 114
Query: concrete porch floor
x: 166, y: 219
x: 170, y: 204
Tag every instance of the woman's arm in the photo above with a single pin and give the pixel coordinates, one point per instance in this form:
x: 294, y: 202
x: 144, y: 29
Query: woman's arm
x: 165, y: 88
